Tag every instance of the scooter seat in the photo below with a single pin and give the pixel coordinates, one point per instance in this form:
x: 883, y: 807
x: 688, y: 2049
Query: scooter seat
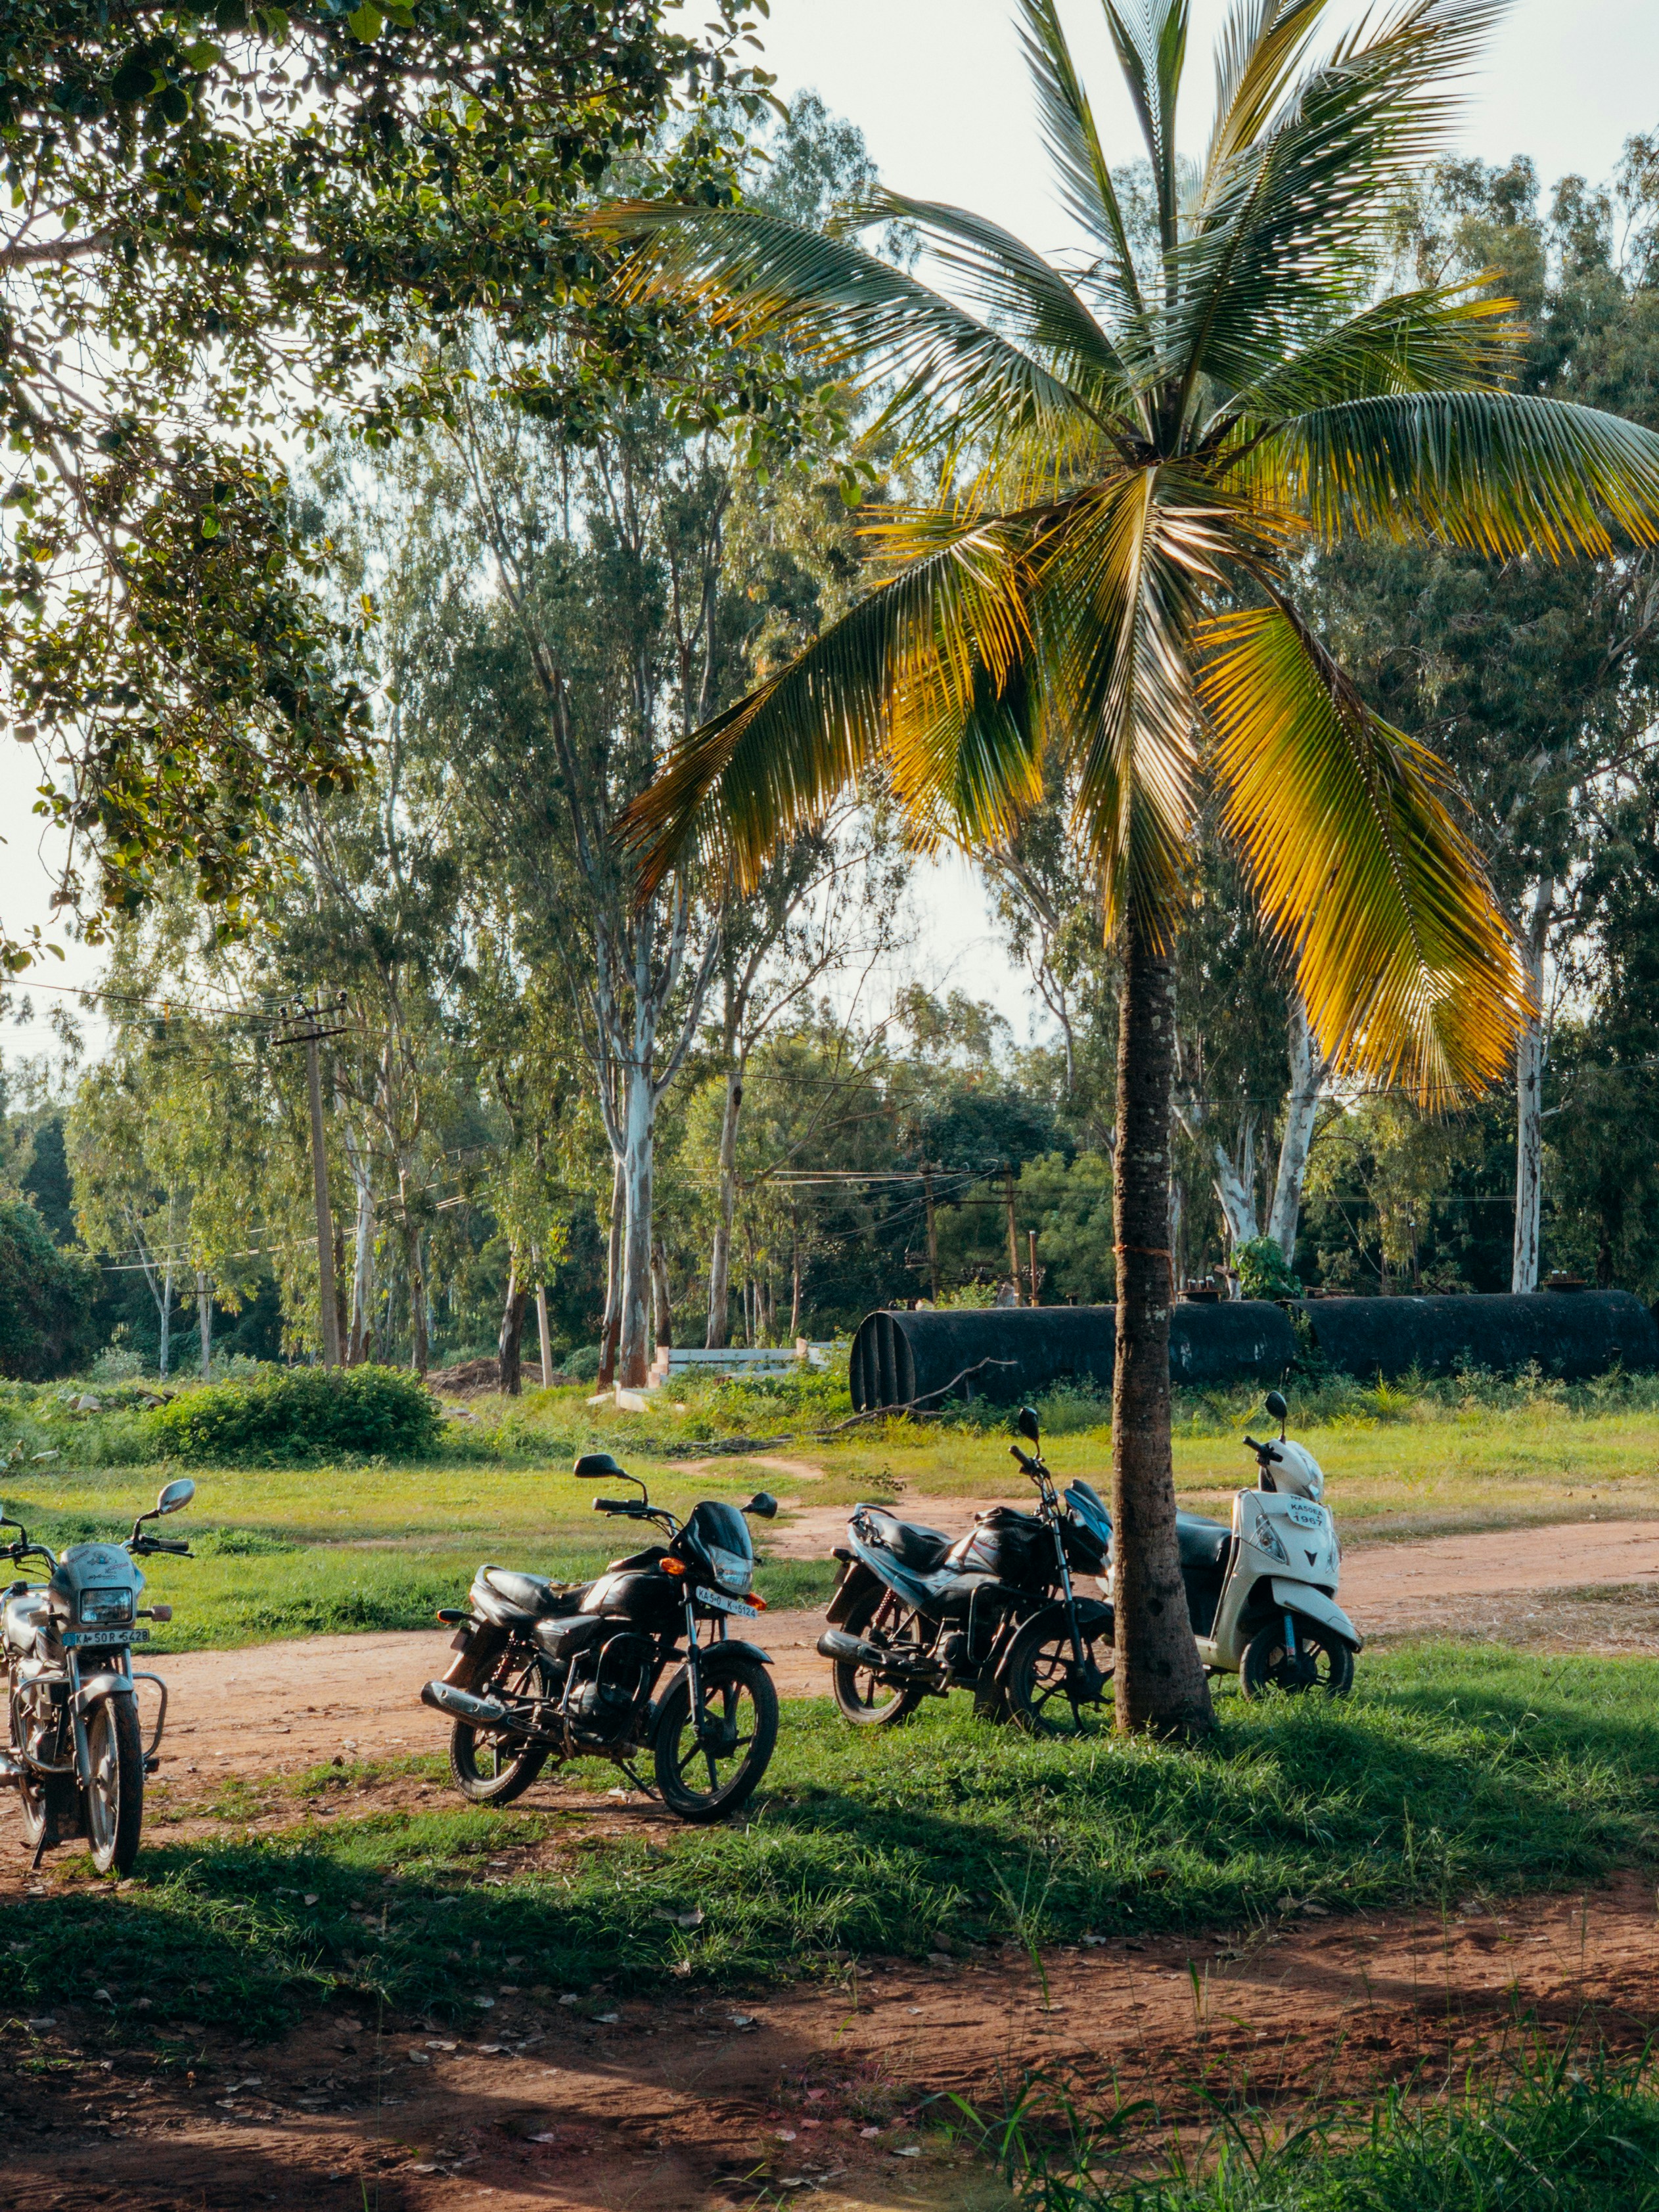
x: 919, y: 1549
x: 1203, y: 1543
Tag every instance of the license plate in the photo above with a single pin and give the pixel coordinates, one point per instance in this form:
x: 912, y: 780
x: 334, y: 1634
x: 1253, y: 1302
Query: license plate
x: 725, y: 1604
x: 100, y: 1637
x: 1307, y: 1516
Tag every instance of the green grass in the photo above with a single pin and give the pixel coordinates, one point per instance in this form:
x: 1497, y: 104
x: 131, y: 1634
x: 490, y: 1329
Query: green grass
x: 1561, y: 2132
x: 1455, y: 1771
x: 357, y: 1544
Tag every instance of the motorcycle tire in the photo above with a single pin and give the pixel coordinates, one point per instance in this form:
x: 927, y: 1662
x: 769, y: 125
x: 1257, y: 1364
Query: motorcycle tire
x: 741, y: 1707
x: 114, y: 1802
x: 886, y: 1704
x: 493, y: 1770
x: 1323, y: 1662
x: 1042, y: 1689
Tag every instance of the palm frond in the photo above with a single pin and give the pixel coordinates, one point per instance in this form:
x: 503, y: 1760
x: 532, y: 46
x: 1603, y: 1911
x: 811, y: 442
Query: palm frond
x: 929, y: 665
x: 1502, y: 472
x: 1453, y: 337
x: 1286, y: 229
x: 758, y: 275
x: 1408, y: 970
x: 1257, y: 52
x: 1023, y: 292
x: 1151, y: 39
x: 1087, y: 190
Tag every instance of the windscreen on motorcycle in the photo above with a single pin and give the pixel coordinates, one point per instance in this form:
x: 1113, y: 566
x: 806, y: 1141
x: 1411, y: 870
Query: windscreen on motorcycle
x: 720, y: 1535
x: 1090, y: 1507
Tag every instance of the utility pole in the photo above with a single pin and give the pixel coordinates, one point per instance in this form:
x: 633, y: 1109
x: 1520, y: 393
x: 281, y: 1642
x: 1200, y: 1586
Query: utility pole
x: 1013, y: 1244
x: 306, y: 1029
x: 1030, y: 1254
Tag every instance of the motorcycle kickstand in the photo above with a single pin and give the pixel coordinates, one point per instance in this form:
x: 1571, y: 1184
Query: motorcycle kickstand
x: 639, y: 1782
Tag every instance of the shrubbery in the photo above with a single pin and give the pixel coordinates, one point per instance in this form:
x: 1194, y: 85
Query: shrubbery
x: 307, y: 1413
x: 46, y: 1298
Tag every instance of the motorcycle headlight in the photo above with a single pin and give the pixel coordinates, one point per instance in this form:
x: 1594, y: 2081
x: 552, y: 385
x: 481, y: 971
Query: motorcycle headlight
x: 731, y: 1570
x: 1266, y: 1538
x: 107, y: 1606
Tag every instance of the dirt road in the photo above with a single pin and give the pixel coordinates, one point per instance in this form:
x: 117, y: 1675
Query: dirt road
x: 280, y: 1705
x: 698, y: 2103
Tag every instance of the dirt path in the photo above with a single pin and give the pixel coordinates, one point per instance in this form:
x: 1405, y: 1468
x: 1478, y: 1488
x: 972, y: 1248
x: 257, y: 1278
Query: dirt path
x: 284, y: 1706
x: 691, y: 2104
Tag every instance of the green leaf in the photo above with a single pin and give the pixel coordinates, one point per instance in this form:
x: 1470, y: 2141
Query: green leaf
x: 365, y: 22
x: 209, y: 525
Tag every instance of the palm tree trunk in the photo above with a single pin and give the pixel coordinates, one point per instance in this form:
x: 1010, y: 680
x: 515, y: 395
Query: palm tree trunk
x: 1160, y: 1681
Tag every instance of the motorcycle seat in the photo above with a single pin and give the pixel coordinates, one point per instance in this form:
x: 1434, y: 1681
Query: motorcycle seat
x: 521, y: 1598
x: 920, y: 1549
x: 1203, y: 1543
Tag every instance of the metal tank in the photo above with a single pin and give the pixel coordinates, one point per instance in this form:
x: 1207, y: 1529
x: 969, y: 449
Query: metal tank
x: 1573, y: 1334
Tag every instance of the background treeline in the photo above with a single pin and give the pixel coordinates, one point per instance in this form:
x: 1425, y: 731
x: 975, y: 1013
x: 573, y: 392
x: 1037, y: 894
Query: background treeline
x: 715, y: 1120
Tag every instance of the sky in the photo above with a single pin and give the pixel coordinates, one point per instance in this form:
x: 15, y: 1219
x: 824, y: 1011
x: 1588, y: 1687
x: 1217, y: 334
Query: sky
x: 938, y: 87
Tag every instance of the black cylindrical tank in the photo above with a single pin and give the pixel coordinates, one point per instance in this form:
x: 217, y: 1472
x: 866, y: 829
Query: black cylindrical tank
x: 1007, y: 1354
x: 1570, y: 1333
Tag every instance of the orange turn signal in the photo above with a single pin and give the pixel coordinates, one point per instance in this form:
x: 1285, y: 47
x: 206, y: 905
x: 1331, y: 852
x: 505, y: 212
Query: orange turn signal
x: 759, y: 1603
x: 674, y: 1566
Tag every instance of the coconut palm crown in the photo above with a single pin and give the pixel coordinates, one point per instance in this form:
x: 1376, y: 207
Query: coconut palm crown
x: 1134, y: 456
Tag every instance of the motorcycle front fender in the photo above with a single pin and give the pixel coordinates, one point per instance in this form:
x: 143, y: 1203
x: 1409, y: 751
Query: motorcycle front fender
x: 1303, y: 1597
x: 97, y: 1687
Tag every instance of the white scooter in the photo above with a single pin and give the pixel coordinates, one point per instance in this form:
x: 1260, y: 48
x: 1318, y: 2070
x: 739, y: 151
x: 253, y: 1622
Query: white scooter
x: 1262, y: 1593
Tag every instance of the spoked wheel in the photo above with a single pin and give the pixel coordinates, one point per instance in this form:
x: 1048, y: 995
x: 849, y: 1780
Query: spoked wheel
x: 702, y: 1778
x: 493, y: 1768
x: 115, y: 1796
x: 863, y: 1697
x: 1050, y: 1693
x: 1320, y: 1662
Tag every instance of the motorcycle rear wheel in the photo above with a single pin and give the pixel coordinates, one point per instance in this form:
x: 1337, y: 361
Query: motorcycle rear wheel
x: 492, y: 1769
x: 115, y: 1795
x: 864, y: 1698
x: 741, y: 1708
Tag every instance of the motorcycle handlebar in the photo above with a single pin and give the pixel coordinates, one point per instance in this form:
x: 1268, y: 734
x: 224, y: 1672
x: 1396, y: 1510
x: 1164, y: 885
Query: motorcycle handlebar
x: 616, y: 1505
x: 179, y: 1548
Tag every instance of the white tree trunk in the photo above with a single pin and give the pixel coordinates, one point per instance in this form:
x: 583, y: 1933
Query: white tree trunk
x: 1530, y: 1053
x: 166, y: 1304
x: 546, y: 1336
x: 639, y: 1128
x: 1235, y: 1190
x: 1301, y: 1113
x: 720, y: 1258
x: 362, y: 1267
x: 205, y: 1320
x: 611, y: 1327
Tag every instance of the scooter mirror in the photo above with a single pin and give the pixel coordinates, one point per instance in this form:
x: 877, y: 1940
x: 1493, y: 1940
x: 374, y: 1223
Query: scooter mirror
x: 592, y: 1466
x: 176, y: 1496
x: 1276, y: 1405
x: 1028, y: 1423
x: 763, y: 1505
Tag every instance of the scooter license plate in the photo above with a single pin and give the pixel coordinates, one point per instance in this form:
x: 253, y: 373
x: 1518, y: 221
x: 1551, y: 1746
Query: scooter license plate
x: 725, y: 1604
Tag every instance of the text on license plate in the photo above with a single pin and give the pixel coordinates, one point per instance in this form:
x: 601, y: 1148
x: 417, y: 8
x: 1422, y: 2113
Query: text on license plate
x: 725, y: 1604
x: 104, y: 1635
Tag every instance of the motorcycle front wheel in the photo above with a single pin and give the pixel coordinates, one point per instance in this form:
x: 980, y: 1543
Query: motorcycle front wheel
x: 1047, y: 1692
x: 492, y: 1769
x: 115, y: 1794
x: 864, y: 1698
x: 1322, y: 1662
x: 704, y: 1777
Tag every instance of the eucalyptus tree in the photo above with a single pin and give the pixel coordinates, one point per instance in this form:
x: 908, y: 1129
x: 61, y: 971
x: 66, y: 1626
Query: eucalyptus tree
x: 1103, y: 586
x: 222, y: 225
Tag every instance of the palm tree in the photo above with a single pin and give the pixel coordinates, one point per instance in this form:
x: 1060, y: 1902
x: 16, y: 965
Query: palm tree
x: 1133, y: 458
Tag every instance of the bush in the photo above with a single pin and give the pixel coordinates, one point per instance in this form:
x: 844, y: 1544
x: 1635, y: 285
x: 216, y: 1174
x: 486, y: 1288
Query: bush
x: 46, y: 1298
x: 307, y: 1413
x: 1263, y: 1270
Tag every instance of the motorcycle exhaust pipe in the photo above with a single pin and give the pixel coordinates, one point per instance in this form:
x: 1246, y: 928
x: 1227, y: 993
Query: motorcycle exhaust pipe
x: 854, y: 1651
x: 477, y: 1713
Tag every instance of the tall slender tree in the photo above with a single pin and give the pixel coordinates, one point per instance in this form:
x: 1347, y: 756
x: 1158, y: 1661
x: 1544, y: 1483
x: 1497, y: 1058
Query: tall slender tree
x: 1103, y: 587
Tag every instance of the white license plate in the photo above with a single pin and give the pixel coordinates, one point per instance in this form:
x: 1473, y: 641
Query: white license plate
x: 1306, y: 1517
x: 98, y: 1636
x: 725, y: 1604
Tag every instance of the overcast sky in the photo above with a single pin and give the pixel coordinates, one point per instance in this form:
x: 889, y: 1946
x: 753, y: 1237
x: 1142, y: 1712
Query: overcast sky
x: 939, y: 89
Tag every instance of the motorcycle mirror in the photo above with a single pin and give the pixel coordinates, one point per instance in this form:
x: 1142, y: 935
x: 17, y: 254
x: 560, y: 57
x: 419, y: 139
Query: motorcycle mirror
x: 1276, y: 1406
x: 592, y: 1466
x: 762, y: 1504
x: 176, y: 1496
x: 1028, y: 1423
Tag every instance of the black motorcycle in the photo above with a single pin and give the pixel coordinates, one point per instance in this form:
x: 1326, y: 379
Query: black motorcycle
x: 915, y: 1614
x: 545, y: 1670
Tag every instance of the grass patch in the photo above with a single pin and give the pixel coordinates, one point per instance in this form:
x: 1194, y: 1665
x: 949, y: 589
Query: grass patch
x: 1573, y: 2132
x: 1454, y: 1770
